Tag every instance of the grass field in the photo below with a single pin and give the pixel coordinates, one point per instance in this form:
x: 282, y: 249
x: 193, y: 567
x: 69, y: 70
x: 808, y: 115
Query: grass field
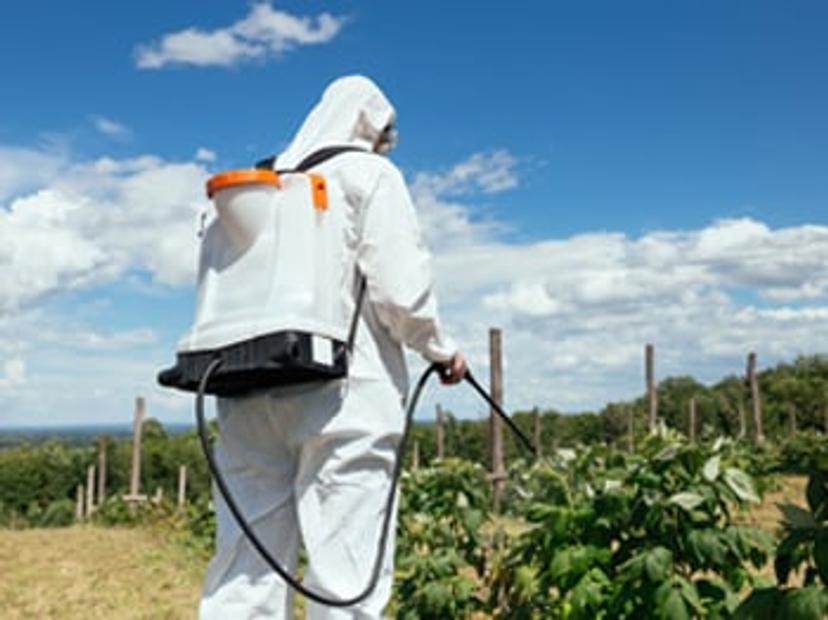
x: 88, y: 572
x: 92, y: 572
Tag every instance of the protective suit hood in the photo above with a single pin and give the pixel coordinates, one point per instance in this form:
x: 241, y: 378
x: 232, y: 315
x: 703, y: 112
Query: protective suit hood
x: 353, y: 111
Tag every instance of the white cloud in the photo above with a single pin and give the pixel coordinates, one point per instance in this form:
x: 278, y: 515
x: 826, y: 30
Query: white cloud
x: 205, y: 155
x: 264, y: 32
x: 110, y: 128
x: 444, y: 220
x: 24, y: 169
x: 489, y: 172
x: 95, y: 222
x: 575, y: 311
x: 14, y: 374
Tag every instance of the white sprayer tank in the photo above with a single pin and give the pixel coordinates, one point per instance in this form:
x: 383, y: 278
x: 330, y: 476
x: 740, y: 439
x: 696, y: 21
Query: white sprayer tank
x: 271, y: 260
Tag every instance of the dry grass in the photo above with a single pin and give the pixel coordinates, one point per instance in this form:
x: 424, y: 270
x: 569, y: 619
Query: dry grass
x: 768, y: 515
x: 91, y: 572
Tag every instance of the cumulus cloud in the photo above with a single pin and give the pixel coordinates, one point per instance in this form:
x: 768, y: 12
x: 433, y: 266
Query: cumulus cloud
x: 110, y: 128
x: 24, y: 169
x: 14, y: 374
x: 205, y: 155
x: 96, y: 221
x: 262, y: 33
x: 575, y: 311
x: 445, y: 219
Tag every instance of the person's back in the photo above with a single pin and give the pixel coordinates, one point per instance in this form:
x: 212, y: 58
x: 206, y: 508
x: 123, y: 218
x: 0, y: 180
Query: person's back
x: 314, y: 462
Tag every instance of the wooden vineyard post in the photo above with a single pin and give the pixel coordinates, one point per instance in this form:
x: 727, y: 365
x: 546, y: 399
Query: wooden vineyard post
x: 79, y: 503
x: 631, y: 427
x: 90, y: 490
x: 135, y: 471
x: 495, y: 424
x: 652, y: 397
x: 537, y: 432
x: 792, y: 419
x: 101, y: 471
x: 441, y: 436
x: 415, y: 456
x: 691, y: 431
x: 182, y: 486
x: 755, y: 399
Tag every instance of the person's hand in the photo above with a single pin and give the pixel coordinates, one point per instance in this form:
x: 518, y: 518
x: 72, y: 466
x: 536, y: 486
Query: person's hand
x: 454, y: 370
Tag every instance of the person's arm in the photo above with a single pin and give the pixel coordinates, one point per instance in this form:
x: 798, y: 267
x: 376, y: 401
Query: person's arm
x: 397, y: 267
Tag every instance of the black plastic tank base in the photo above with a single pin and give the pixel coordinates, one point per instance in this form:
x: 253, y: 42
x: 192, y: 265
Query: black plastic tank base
x: 272, y: 360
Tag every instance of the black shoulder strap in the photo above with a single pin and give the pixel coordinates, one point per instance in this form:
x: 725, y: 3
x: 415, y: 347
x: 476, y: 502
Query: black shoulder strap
x: 357, y: 309
x: 312, y: 160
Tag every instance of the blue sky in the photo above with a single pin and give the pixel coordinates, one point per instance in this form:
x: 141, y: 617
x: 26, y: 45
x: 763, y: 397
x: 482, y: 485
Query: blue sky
x: 631, y: 171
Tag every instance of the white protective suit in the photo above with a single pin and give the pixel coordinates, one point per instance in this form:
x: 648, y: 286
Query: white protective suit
x: 312, y: 464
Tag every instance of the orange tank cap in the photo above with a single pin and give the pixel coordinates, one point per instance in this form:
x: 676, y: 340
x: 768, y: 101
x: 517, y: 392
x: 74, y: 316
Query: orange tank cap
x: 231, y: 178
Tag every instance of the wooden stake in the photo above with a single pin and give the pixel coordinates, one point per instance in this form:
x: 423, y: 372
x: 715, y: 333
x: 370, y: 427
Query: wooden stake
x: 692, y: 421
x: 101, y: 471
x: 495, y: 423
x: 135, y: 472
x: 755, y: 398
x: 441, y: 437
x: 182, y: 485
x: 90, y: 490
x: 792, y: 419
x: 631, y: 428
x: 79, y: 503
x: 652, y: 396
x: 415, y: 456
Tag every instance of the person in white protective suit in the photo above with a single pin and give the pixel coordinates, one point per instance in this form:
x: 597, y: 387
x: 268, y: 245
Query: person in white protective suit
x: 313, y: 463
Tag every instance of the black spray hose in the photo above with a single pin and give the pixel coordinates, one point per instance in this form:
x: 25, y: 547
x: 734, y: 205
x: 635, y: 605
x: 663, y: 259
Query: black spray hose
x: 389, y: 505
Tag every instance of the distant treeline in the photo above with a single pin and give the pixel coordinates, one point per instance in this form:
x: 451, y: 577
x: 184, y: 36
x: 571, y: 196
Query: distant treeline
x: 38, y: 482
x: 798, y: 390
x: 73, y: 435
x: 35, y: 475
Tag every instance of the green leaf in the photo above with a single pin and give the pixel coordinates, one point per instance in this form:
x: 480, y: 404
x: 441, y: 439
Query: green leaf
x: 711, y: 468
x: 797, y: 518
x: 821, y: 554
x: 762, y: 604
x: 588, y: 593
x: 658, y: 563
x: 782, y: 567
x: 803, y: 604
x: 708, y: 547
x: 817, y: 494
x: 525, y: 585
x: 741, y: 484
x: 667, y: 454
x: 689, y: 593
x: 670, y: 603
x: 686, y: 499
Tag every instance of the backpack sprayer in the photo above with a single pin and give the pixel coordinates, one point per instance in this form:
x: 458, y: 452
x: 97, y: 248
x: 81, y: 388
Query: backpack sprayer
x: 265, y: 315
